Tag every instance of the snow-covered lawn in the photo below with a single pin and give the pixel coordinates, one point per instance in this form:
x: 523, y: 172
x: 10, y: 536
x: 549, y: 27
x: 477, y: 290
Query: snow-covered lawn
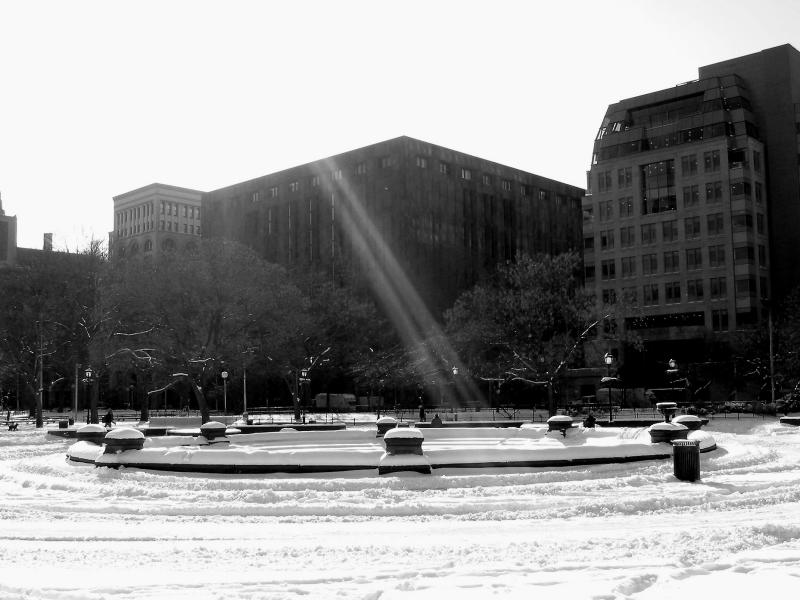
x: 627, y: 530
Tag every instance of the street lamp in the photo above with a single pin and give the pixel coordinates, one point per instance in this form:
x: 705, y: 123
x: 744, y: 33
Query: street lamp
x: 672, y: 371
x: 224, y: 376
x: 304, y: 381
x: 608, y: 359
x: 91, y: 409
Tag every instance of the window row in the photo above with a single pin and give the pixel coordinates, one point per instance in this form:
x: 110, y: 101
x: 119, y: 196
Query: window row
x: 692, y: 290
x: 671, y: 261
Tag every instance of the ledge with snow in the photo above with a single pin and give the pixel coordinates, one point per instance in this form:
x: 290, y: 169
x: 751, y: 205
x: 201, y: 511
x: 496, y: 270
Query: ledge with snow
x: 291, y: 451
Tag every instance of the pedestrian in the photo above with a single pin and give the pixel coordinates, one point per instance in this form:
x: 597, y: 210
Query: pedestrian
x: 108, y: 419
x: 421, y: 412
x: 589, y: 421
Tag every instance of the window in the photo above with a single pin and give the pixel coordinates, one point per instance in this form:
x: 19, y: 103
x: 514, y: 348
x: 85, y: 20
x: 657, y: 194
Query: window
x: 588, y: 243
x: 716, y: 256
x: 185, y: 210
x: 717, y: 287
x: 294, y: 186
x: 650, y: 294
x: 606, y: 210
x: 315, y: 181
x: 742, y: 222
x: 624, y: 177
x: 487, y: 179
x: 361, y: 168
x: 444, y: 168
x: 422, y: 162
x: 588, y: 214
x: 507, y: 185
x: 604, y: 181
x: 524, y: 190
x: 148, y: 245
x: 273, y: 191
x: 628, y: 266
x: 669, y: 230
x: 658, y: 187
x: 713, y: 192
x: 759, y: 193
x: 649, y: 264
x: 336, y: 174
x: 694, y: 290
x: 746, y: 286
x: 607, y: 239
x: 741, y: 188
x: 692, y: 227
x: 588, y: 272
x: 671, y: 261
x: 625, y: 207
x: 609, y: 296
x: 197, y: 212
x: 715, y: 224
x: 185, y: 228
x: 672, y: 292
x: 744, y: 255
x: 711, y: 161
x: 385, y: 162
x: 691, y: 196
x: 629, y: 294
x: 466, y: 174
x: 694, y: 259
x: 608, y: 269
x: 649, y: 233
x: 719, y: 320
x: 689, y: 165
x: 760, y: 223
x: 757, y: 161
x: 191, y: 212
x: 544, y: 195
x: 626, y: 237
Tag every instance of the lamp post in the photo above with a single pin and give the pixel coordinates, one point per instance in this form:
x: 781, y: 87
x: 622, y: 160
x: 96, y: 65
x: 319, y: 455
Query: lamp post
x: 608, y: 359
x: 224, y: 376
x: 91, y: 381
x: 304, y: 381
x: 672, y: 371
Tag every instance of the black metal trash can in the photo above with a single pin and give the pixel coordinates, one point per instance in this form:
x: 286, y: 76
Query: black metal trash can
x: 686, y: 457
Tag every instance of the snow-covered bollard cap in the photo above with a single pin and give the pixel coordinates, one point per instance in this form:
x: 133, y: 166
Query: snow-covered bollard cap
x: 560, y: 419
x: 690, y: 421
x: 667, y: 427
x: 123, y: 438
x: 213, y: 429
x: 384, y: 420
x: 666, y: 406
x: 94, y: 433
x: 404, y: 433
x: 124, y: 433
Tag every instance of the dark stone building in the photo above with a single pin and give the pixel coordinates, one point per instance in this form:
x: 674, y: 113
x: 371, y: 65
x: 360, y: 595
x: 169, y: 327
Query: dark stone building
x: 403, y: 212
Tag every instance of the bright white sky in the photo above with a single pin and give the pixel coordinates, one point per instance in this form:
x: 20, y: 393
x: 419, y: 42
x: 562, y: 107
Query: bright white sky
x: 102, y: 97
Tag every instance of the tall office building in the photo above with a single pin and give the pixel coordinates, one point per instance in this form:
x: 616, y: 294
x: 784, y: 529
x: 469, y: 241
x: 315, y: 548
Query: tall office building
x: 693, y: 196
x: 8, y: 237
x: 402, y: 208
x: 154, y: 219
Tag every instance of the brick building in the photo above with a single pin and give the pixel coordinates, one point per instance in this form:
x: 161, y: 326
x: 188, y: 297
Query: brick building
x: 439, y: 217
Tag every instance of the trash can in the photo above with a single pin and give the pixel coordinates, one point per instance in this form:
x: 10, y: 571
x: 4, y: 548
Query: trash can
x: 686, y: 457
x: 63, y: 424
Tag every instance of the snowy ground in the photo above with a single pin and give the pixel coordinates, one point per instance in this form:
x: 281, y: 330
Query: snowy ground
x: 72, y: 531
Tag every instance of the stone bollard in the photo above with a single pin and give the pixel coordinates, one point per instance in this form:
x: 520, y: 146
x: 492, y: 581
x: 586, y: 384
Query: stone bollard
x: 692, y: 422
x: 666, y: 432
x: 686, y: 459
x: 403, y: 452
x: 384, y: 424
x: 94, y: 433
x: 668, y: 409
x: 214, y: 432
x: 122, y: 439
x: 560, y: 423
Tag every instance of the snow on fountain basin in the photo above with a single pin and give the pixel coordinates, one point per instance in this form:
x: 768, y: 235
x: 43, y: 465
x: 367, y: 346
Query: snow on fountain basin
x: 320, y: 451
